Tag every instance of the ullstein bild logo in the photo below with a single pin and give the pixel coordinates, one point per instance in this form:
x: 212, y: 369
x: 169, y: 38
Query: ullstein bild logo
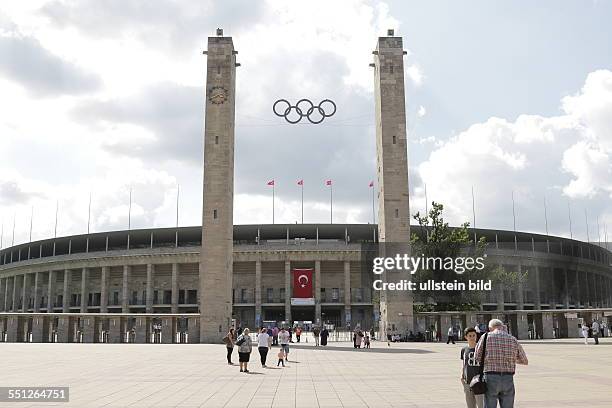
x: 413, y: 265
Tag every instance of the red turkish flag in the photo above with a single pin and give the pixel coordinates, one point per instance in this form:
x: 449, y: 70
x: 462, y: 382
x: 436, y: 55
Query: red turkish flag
x: 328, y: 182
x: 371, y: 184
x: 302, y: 283
x: 300, y: 182
x: 271, y: 182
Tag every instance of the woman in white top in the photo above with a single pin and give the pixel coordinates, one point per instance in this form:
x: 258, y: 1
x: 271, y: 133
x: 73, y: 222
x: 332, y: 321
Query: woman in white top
x: 264, y: 343
x: 585, y: 333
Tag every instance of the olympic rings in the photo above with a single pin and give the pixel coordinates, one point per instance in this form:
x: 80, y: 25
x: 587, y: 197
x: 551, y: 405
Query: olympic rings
x: 299, y: 109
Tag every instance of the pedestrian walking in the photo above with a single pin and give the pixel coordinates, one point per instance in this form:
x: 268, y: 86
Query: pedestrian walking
x: 502, y: 354
x: 229, y: 345
x: 450, y: 335
x: 366, y: 343
x: 595, y: 329
x: 298, y: 333
x: 324, y: 336
x: 283, y: 339
x: 264, y: 343
x: 316, y: 332
x: 245, y: 347
x: 358, y: 338
x: 470, y: 368
x: 372, y: 333
x: 275, y: 336
x: 585, y: 333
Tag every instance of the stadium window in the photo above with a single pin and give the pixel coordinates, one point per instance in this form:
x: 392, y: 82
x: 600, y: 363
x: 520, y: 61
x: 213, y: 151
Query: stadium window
x: 394, y: 140
x: 192, y: 296
x: 335, y: 294
x: 216, y: 139
x: 181, y: 296
x: 167, y: 297
x: 155, y: 296
x: 243, y: 295
x: 269, y: 295
x: 215, y: 214
x: 282, y: 294
x: 396, y: 213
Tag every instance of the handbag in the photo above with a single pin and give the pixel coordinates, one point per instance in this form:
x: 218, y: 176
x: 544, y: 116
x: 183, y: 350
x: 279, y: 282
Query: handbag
x: 240, y: 341
x: 478, y: 384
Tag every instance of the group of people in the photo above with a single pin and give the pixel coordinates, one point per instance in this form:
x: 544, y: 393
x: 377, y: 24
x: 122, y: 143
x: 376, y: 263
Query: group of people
x: 361, y: 338
x: 596, y: 330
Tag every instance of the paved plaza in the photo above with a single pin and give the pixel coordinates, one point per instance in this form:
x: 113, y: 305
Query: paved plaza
x: 561, y: 373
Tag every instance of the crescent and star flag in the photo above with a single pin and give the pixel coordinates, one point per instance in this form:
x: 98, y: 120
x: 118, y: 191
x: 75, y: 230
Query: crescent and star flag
x: 302, y: 283
x: 371, y: 184
x: 328, y: 182
x: 300, y: 183
x: 271, y: 182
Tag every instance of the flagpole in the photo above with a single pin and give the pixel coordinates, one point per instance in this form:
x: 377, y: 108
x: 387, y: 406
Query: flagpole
x: 13, y: 239
x: 586, y: 221
x: 31, y: 218
x: 569, y: 215
x: 89, y: 214
x: 514, y: 222
x: 545, y: 215
x: 2, y: 235
x: 426, y: 209
x: 373, y: 211
x: 56, y: 211
x: 130, y: 211
x: 302, y: 201
x: 598, y: 233
x: 273, y: 187
x: 474, y: 214
x: 331, y: 203
x: 178, y: 190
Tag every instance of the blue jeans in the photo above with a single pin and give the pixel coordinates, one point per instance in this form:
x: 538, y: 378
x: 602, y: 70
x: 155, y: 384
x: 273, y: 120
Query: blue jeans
x: 499, y: 387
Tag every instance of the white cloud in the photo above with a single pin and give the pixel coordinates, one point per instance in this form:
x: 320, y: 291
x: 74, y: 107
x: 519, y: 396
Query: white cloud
x: 415, y: 73
x: 421, y: 111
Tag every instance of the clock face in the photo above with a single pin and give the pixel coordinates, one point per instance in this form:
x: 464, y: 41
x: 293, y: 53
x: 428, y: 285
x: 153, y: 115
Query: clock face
x: 217, y: 95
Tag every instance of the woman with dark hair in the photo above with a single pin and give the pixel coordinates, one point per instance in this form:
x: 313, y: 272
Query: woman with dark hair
x: 229, y: 344
x: 324, y: 336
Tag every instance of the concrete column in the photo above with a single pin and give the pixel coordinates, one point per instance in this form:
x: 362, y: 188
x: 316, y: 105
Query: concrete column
x: 104, y: 279
x: 89, y: 330
x: 38, y: 328
x: 538, y: 300
x: 566, y: 299
x: 149, y: 294
x: 125, y: 304
x: 288, y: 292
x: 547, y: 325
x: 258, y: 318
x: 572, y: 328
x: 12, y: 324
x: 2, y: 293
x: 445, y: 323
x: 67, y: 290
x: 64, y: 334
x: 115, y: 331
x: 51, y: 277
x: 193, y: 324
x: 175, y: 279
x: 84, y: 291
x: 143, y: 329
x: 16, y: 293
x: 520, y: 289
x: 522, y: 331
x: 318, y: 292
x: 25, y: 293
x: 168, y: 330
x: 347, y: 293
x: 36, y: 294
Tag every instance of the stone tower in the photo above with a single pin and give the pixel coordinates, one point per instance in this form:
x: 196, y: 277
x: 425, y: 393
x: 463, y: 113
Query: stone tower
x: 392, y: 170
x: 215, y: 297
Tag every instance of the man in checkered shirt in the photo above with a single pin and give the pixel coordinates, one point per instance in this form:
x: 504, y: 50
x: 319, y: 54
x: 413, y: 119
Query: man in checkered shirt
x: 501, y: 356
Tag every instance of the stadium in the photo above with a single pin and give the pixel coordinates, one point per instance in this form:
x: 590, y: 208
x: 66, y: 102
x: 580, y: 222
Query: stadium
x: 142, y: 285
x: 190, y: 284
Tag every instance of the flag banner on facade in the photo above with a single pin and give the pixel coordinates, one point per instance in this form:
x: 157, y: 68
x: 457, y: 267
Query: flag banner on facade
x: 302, y: 283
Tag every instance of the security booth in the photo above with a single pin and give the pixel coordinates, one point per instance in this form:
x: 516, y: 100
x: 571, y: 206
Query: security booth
x: 182, y: 330
x: 156, y: 330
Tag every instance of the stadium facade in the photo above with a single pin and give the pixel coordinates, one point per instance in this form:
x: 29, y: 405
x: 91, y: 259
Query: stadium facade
x: 191, y: 284
x: 143, y: 285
